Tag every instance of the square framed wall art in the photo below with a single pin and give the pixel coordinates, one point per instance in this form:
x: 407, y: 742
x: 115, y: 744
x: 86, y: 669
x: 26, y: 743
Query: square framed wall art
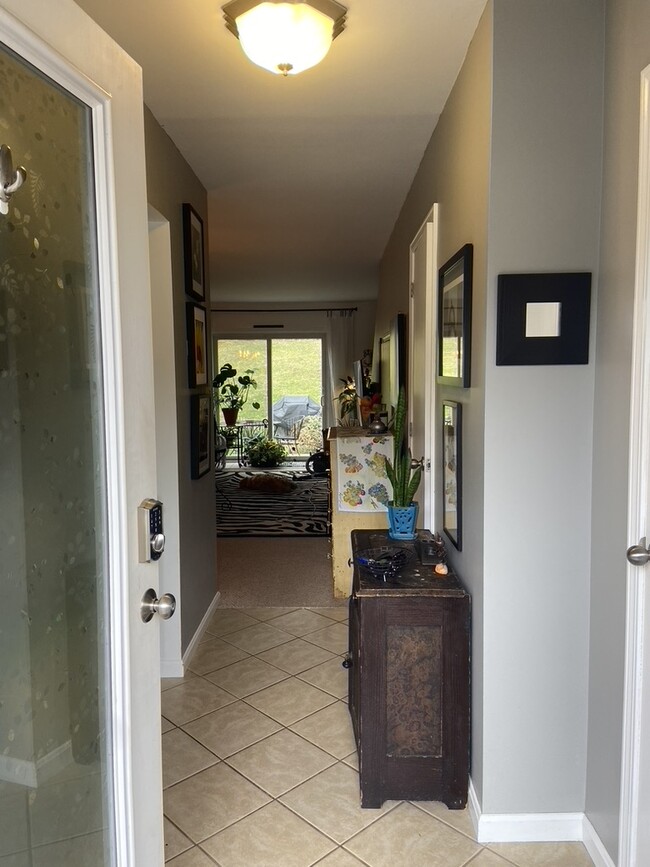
x: 543, y: 318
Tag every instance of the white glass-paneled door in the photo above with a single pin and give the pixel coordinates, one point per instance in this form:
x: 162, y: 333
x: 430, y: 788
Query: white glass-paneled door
x: 75, y: 716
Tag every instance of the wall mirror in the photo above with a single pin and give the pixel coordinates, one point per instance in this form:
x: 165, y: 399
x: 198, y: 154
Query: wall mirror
x: 455, y: 319
x: 451, y: 472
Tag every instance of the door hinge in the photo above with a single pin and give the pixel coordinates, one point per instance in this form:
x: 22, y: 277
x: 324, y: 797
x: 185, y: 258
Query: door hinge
x: 412, y: 290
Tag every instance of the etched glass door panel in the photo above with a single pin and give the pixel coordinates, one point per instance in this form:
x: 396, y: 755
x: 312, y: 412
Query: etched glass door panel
x: 54, y: 734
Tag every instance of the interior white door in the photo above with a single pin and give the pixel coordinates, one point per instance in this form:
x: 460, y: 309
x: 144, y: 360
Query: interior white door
x: 635, y: 785
x: 422, y: 361
x: 80, y: 775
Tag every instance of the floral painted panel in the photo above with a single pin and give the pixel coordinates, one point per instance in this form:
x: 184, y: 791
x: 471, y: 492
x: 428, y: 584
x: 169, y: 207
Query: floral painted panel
x: 52, y: 518
x: 362, y: 481
x: 414, y: 685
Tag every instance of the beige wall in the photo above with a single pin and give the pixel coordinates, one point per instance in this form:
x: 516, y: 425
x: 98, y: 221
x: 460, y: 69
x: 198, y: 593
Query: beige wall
x: 170, y: 182
x: 627, y: 52
x: 232, y: 318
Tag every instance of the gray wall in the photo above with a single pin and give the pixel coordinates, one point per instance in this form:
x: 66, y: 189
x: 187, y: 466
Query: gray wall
x: 455, y: 173
x: 544, y: 216
x: 515, y: 163
x: 627, y: 53
x: 170, y: 182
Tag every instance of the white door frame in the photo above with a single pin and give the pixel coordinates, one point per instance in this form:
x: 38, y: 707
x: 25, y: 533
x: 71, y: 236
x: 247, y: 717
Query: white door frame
x: 166, y: 433
x: 636, y: 709
x: 66, y: 45
x: 428, y: 229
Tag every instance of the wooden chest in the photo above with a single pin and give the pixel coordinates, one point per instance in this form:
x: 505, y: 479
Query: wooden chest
x: 409, y: 683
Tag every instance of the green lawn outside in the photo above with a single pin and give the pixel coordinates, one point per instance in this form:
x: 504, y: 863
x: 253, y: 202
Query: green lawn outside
x: 297, y: 370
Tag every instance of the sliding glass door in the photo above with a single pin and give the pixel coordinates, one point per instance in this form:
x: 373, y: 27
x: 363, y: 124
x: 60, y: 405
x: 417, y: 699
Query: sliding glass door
x: 288, y: 372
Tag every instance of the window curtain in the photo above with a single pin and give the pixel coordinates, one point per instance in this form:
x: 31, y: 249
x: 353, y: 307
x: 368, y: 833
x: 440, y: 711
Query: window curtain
x: 340, y: 333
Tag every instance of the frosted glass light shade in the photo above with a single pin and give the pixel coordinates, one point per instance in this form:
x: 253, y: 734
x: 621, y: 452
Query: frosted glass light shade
x: 285, y: 38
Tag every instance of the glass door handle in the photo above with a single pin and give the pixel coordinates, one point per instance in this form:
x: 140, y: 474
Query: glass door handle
x: 150, y: 605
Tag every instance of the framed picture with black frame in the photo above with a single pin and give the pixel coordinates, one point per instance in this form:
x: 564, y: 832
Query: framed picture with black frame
x: 200, y: 421
x: 452, y: 499
x: 543, y: 318
x: 197, y: 345
x: 455, y: 319
x: 392, y: 362
x: 193, y: 251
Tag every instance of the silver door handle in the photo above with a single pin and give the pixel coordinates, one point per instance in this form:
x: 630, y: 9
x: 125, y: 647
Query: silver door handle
x: 638, y: 555
x: 150, y: 605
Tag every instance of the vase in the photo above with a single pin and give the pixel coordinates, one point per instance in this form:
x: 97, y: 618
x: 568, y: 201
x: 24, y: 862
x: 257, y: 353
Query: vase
x: 230, y: 415
x: 402, y: 521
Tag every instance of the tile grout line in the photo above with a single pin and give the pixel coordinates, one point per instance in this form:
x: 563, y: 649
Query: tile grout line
x: 283, y: 727
x: 226, y: 760
x: 320, y: 831
x: 286, y: 727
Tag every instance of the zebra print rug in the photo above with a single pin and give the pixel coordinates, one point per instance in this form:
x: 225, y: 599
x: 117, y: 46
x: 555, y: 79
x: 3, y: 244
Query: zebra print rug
x: 301, y: 512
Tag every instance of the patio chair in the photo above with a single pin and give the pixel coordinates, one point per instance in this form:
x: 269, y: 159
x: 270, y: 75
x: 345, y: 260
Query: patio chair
x: 289, y: 414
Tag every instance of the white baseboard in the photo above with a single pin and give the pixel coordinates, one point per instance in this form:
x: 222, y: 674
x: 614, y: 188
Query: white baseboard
x: 172, y: 668
x: 473, y: 806
x: 198, y: 635
x: 530, y: 827
x: 33, y: 774
x: 536, y: 828
x: 594, y: 845
x: 18, y: 771
x: 56, y: 760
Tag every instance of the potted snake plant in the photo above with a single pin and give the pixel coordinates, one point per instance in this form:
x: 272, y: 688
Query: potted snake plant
x: 404, y: 475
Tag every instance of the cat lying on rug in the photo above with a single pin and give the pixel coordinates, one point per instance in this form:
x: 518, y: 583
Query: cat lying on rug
x: 267, y: 482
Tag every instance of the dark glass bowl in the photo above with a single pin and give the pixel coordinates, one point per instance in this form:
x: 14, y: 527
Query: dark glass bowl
x: 383, y: 563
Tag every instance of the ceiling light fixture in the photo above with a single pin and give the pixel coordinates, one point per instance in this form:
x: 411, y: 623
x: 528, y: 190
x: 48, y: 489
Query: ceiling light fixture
x: 285, y: 36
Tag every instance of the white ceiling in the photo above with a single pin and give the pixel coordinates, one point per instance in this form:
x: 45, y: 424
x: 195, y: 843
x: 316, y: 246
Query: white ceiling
x: 306, y: 174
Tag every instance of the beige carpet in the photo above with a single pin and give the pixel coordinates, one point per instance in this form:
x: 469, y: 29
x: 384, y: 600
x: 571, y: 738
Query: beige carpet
x: 291, y: 572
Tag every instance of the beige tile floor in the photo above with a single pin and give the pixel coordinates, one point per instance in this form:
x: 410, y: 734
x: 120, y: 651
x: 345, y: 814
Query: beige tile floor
x: 260, y: 766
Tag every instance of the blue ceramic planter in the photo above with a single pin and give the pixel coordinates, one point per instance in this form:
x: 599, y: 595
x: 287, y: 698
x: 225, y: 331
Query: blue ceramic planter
x: 402, y: 521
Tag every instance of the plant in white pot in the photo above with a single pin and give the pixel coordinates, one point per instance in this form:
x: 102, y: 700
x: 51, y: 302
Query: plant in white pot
x: 404, y: 475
